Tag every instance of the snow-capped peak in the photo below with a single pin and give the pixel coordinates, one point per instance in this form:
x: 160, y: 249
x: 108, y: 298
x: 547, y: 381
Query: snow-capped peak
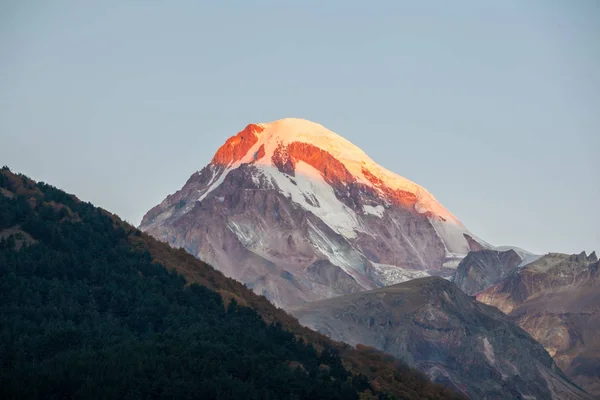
x: 301, y: 214
x: 263, y: 143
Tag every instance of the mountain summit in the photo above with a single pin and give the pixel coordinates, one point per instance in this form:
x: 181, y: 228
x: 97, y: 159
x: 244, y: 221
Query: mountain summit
x: 299, y: 213
x: 291, y: 143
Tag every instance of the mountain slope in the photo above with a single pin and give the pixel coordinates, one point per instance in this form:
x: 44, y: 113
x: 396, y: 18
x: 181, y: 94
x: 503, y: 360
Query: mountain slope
x: 298, y: 214
x: 87, y: 312
x: 557, y: 300
x: 456, y: 340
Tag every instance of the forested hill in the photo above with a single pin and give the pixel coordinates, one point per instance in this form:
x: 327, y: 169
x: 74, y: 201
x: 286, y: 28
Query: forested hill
x: 92, y: 308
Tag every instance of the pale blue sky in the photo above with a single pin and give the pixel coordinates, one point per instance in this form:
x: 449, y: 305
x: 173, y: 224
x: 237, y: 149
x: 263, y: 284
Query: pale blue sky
x: 494, y: 107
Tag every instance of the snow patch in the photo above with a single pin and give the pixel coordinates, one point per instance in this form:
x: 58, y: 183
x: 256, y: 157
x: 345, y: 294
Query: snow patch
x: 234, y: 165
x: 214, y: 184
x: 310, y: 185
x: 244, y: 233
x: 377, y: 210
x: 452, y: 236
x: 488, y: 350
x: 452, y: 262
x: 255, y: 180
x: 350, y: 263
x: 392, y: 274
x: 252, y: 236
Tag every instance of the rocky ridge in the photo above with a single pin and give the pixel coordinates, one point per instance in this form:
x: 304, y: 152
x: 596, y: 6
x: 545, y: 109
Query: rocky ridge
x: 556, y: 299
x: 480, y: 269
x: 464, y: 344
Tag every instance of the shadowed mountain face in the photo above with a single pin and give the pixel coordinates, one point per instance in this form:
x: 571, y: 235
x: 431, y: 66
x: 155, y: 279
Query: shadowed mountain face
x: 447, y: 334
x: 299, y: 214
x: 557, y: 300
x: 480, y: 269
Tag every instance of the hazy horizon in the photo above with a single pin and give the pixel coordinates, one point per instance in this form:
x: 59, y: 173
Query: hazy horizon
x: 493, y: 108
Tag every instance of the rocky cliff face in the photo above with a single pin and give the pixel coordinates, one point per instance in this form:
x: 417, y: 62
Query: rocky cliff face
x: 480, y: 269
x: 448, y: 335
x: 557, y: 300
x: 299, y: 214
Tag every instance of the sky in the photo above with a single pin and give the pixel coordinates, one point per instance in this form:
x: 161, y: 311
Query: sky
x: 494, y: 107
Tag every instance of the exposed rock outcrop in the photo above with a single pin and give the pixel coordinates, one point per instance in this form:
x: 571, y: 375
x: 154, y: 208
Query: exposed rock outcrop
x: 448, y: 335
x: 557, y: 300
x: 480, y: 269
x: 237, y: 146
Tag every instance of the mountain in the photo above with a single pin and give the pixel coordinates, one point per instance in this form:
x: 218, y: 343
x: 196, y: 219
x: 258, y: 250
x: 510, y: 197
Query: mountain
x: 480, y: 269
x: 298, y: 214
x: 557, y: 300
x: 91, y: 307
x: 433, y: 326
x: 525, y: 255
